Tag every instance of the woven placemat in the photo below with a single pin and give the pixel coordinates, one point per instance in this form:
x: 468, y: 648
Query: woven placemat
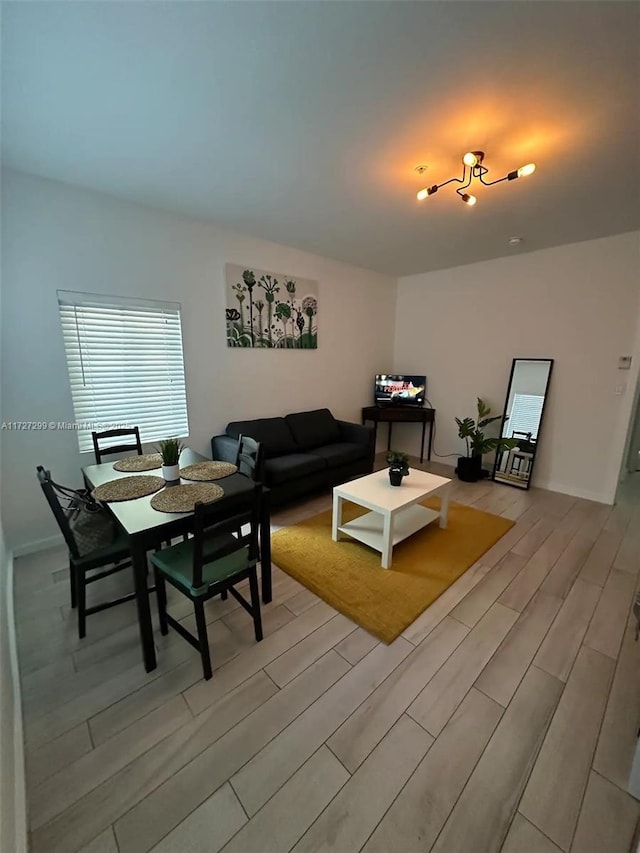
x: 146, y: 462
x: 207, y: 470
x: 184, y: 498
x: 128, y: 488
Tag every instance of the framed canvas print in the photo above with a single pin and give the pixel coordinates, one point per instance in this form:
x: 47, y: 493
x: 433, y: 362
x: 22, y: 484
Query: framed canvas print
x: 270, y: 310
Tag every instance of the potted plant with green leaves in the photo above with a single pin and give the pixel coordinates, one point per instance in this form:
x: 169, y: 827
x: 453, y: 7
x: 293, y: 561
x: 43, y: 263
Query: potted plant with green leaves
x: 398, y: 463
x: 478, y: 443
x: 170, y: 450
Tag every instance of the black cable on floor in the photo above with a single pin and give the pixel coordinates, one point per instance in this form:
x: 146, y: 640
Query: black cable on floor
x: 433, y: 441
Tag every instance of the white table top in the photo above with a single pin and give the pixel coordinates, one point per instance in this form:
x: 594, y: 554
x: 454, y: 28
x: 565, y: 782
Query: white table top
x: 376, y: 490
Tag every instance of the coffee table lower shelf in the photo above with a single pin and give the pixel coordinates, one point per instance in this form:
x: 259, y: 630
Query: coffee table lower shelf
x: 369, y: 528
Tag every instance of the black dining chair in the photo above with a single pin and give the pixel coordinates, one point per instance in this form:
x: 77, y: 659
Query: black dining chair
x: 250, y: 458
x: 83, y: 567
x: 250, y: 462
x: 121, y: 447
x: 216, y: 559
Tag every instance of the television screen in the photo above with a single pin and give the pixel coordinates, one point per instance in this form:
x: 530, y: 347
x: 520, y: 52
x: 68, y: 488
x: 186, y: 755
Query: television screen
x: 395, y: 389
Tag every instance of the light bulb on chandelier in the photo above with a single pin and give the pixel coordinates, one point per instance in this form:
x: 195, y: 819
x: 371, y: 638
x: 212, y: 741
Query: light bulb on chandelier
x: 472, y: 167
x: 529, y: 169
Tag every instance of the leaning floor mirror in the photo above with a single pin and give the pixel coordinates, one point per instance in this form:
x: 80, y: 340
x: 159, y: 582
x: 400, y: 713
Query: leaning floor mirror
x: 522, y: 420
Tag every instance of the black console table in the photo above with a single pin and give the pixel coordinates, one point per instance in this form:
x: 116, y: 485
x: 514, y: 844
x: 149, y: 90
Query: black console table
x: 401, y: 414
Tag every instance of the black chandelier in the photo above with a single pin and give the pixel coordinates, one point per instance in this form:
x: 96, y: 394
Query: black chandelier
x: 472, y: 168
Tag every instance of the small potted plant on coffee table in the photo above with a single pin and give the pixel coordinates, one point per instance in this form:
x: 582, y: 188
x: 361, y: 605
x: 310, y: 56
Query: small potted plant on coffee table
x: 398, y: 463
x: 170, y: 450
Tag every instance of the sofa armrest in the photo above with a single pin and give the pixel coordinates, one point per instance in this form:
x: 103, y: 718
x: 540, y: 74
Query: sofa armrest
x: 224, y: 448
x: 355, y: 432
x: 359, y: 435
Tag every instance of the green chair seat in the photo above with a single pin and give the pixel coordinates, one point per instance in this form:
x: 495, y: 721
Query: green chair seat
x: 177, y: 563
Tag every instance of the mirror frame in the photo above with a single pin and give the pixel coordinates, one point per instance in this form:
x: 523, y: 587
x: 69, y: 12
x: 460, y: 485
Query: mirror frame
x: 526, y: 487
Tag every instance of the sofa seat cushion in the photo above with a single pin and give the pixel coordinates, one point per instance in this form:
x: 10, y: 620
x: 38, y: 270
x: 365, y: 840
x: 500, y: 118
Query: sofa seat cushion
x: 281, y: 469
x: 340, y: 453
x: 273, y: 434
x: 313, y: 429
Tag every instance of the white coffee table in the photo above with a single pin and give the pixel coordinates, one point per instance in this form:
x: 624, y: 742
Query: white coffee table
x: 395, y: 511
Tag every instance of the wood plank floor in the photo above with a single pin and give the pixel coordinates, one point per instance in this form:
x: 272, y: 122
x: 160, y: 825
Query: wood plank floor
x: 504, y: 719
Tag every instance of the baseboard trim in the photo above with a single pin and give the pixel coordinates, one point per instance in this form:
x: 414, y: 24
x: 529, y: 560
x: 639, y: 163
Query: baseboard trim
x: 20, y: 833
x: 597, y: 497
x: 38, y: 545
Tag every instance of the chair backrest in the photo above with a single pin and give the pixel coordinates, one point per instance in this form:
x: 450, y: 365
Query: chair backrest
x: 216, y: 523
x: 516, y: 433
x: 135, y: 444
x: 58, y: 510
x: 250, y: 458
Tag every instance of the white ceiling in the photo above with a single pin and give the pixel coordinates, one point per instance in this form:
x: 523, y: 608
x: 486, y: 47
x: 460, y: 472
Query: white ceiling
x: 302, y: 122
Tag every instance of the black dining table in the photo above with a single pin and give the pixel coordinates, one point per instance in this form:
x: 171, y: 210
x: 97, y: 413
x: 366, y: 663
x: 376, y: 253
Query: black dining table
x: 147, y: 529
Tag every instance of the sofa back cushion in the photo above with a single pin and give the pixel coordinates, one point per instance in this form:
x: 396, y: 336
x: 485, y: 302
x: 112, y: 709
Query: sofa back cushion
x: 313, y: 429
x: 273, y: 434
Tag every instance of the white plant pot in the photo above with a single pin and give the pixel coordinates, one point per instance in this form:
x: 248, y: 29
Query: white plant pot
x: 170, y: 473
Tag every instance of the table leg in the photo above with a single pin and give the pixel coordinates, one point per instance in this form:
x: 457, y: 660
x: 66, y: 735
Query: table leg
x: 424, y: 429
x: 430, y: 440
x: 139, y: 560
x: 265, y: 547
x: 387, y: 540
x: 444, y: 507
x: 336, y: 517
x: 375, y: 431
x: 389, y: 436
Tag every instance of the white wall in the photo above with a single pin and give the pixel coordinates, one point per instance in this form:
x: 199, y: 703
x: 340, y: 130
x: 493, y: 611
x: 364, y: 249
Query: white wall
x: 577, y: 304
x: 59, y: 237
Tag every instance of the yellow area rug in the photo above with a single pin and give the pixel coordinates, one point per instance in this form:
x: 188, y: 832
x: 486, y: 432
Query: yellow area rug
x: 348, y: 575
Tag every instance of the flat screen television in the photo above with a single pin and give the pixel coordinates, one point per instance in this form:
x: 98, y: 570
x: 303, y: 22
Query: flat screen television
x: 394, y: 389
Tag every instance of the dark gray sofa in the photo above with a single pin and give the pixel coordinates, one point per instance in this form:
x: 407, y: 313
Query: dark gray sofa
x: 303, y: 452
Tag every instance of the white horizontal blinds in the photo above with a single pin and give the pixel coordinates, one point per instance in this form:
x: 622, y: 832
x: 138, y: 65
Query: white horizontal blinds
x: 526, y: 412
x: 125, y: 365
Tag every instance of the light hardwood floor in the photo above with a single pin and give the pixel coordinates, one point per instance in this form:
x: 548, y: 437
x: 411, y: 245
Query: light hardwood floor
x: 503, y: 719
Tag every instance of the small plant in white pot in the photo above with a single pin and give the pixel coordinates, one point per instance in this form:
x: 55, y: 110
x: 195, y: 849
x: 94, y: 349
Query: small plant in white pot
x: 170, y: 450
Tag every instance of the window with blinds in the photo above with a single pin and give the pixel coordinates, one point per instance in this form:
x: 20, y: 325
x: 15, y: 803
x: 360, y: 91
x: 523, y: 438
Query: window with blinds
x: 526, y: 412
x: 126, y: 365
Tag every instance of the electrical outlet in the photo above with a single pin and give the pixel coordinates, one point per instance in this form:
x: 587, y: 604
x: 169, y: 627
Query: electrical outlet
x: 620, y: 389
x: 624, y: 362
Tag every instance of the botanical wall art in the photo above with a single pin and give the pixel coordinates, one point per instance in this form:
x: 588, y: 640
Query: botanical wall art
x: 270, y: 309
